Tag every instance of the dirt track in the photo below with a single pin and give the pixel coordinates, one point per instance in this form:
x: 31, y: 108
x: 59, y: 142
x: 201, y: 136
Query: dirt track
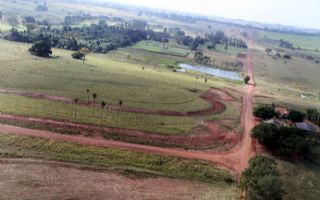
x: 235, y: 160
x: 212, y: 96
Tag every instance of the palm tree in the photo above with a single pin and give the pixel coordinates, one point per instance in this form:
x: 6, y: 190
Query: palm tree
x: 103, y: 104
x: 88, y: 91
x: 120, y: 104
x: 94, y: 96
x: 76, y: 100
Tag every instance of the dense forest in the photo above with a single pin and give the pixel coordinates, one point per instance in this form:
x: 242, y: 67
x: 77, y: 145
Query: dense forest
x: 98, y: 38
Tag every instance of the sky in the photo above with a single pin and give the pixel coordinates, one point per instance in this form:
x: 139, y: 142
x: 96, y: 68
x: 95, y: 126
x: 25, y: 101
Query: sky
x: 301, y: 13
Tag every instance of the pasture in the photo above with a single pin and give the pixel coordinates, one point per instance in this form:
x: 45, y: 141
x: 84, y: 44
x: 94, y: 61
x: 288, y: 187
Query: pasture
x: 153, y: 88
x: 302, y: 41
x: 163, y: 48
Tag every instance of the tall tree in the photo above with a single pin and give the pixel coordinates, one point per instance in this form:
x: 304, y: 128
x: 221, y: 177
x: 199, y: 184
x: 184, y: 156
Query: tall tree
x: 84, y: 51
x: 94, y: 96
x: 88, y: 95
x: 120, y: 104
x: 103, y: 105
x: 76, y: 101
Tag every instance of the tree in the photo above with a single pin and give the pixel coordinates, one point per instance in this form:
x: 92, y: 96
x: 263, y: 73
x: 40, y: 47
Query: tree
x: 246, y: 79
x: 88, y: 91
x: 265, y: 133
x: 268, y: 50
x: 120, y: 103
x: 262, y: 180
x: 29, y: 20
x: 198, y: 56
x: 296, y: 116
x: 226, y: 47
x: 313, y: 115
x: 103, y: 104
x: 94, y: 96
x: 264, y: 111
x: 76, y: 100
x: 42, y: 8
x: 41, y: 48
x: 84, y: 51
x: 77, y: 55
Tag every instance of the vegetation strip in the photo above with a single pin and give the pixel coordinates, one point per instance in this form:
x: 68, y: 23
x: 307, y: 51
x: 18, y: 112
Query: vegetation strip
x: 18, y: 146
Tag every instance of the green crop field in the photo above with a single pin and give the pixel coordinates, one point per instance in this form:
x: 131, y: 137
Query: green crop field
x: 165, y: 48
x: 302, y: 41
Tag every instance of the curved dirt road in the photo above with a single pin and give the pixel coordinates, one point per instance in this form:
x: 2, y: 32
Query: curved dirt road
x: 235, y: 160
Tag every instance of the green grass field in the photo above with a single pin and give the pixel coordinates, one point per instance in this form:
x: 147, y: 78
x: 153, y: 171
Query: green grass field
x: 302, y: 41
x: 234, y: 51
x: 122, y: 160
x: 164, y: 48
x: 112, y: 80
x: 60, y: 111
x: 298, y: 73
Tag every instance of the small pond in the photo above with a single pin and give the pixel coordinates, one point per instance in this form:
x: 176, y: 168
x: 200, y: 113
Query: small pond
x: 212, y: 71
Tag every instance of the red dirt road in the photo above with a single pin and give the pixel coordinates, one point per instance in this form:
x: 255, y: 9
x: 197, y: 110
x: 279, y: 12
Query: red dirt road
x: 235, y: 160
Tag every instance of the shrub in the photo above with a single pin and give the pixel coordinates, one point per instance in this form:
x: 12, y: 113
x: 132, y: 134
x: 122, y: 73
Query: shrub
x: 264, y: 111
x: 246, y: 79
x: 77, y: 55
x: 41, y: 48
x: 296, y: 116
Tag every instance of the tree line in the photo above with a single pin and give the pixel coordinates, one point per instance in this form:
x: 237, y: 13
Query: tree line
x: 98, y: 38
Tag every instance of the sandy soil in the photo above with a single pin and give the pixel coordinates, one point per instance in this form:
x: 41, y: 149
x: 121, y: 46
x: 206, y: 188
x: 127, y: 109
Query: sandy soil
x: 38, y: 179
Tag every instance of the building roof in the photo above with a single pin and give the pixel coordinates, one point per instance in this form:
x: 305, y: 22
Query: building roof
x: 305, y: 126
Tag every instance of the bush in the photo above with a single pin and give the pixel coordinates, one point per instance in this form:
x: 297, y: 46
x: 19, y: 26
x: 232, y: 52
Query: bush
x: 246, y: 79
x: 313, y: 115
x: 77, y: 55
x: 296, y: 116
x: 262, y: 180
x: 287, y: 56
x: 264, y: 111
x: 41, y: 48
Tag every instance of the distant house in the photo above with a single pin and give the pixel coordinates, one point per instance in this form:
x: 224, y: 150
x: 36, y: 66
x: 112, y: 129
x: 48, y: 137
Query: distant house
x: 306, y: 127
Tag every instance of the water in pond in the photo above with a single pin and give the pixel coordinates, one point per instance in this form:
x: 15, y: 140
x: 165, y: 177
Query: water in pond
x: 212, y: 71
